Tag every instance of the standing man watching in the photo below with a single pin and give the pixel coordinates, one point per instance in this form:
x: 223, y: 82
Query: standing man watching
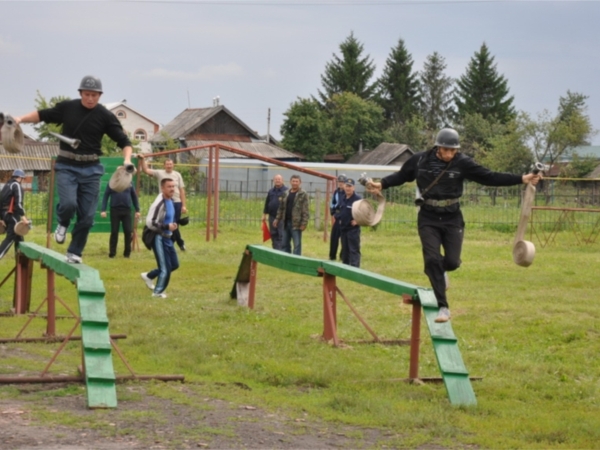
x: 120, y: 213
x: 334, y: 208
x: 270, y: 211
x: 440, y: 173
x: 78, y: 171
x: 293, y: 211
x: 11, y: 210
x: 179, y: 195
x: 161, y: 219
x: 349, y: 229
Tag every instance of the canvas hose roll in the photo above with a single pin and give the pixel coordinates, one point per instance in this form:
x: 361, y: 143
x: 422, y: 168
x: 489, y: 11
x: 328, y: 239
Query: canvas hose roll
x: 121, y: 178
x: 363, y: 212
x: 524, y: 251
x: 22, y: 228
x: 12, y: 135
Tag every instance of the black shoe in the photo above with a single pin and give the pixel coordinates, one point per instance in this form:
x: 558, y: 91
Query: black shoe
x: 182, y: 247
x: 111, y: 256
x: 125, y: 256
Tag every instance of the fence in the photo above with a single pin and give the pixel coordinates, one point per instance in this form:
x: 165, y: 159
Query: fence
x: 242, y: 190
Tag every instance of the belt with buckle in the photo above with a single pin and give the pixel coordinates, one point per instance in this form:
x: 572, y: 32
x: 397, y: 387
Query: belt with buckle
x: 441, y: 203
x: 76, y: 157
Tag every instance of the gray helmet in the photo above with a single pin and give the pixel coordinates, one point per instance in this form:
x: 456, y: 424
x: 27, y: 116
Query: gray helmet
x: 18, y: 173
x: 341, y: 178
x: 447, y: 137
x: 90, y: 83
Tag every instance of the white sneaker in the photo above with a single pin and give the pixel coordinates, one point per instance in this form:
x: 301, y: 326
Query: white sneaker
x: 147, y: 280
x: 60, y: 234
x: 161, y: 295
x: 73, y: 258
x: 443, y: 315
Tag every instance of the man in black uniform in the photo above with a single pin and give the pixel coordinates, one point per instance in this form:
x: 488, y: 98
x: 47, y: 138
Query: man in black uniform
x: 11, y: 210
x: 439, y: 174
x: 270, y: 211
x: 349, y: 229
x: 334, y: 208
x: 78, y: 171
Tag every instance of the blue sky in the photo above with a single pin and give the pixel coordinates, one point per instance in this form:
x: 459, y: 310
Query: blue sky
x: 165, y: 56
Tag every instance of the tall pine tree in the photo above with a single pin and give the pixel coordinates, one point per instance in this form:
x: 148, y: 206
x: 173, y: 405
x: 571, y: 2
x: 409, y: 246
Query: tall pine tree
x: 436, y: 93
x: 398, y: 87
x: 481, y: 90
x: 349, y: 73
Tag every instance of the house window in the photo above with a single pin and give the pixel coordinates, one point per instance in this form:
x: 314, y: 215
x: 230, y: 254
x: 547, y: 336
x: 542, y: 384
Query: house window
x: 139, y: 135
x: 121, y: 114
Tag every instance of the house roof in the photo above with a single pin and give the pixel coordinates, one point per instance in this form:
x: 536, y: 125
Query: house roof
x: 35, y: 156
x: 123, y: 104
x: 384, y: 154
x: 258, y: 147
x: 192, y: 118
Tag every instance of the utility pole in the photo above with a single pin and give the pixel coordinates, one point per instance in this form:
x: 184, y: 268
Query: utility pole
x: 268, y: 124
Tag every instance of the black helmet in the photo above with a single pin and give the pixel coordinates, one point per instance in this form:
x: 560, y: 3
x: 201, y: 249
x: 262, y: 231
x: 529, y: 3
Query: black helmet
x: 447, y: 137
x: 183, y: 221
x: 90, y: 83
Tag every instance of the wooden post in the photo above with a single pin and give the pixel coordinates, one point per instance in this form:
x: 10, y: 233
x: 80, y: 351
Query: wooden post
x: 329, y: 308
x: 252, y: 287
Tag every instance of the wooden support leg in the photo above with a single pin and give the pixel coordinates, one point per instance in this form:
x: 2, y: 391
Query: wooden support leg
x: 329, y: 309
x: 252, y: 288
x: 51, y: 319
x: 415, y: 337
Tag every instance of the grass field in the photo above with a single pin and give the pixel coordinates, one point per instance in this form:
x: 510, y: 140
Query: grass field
x: 533, y: 334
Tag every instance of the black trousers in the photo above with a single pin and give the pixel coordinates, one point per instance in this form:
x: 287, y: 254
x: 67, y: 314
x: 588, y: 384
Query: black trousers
x: 120, y: 216
x: 276, y: 233
x: 435, y: 237
x: 11, y: 236
x: 334, y: 241
x: 351, y: 246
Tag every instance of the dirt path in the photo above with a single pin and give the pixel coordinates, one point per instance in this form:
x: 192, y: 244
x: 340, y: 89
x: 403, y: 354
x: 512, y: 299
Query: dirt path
x: 149, y: 422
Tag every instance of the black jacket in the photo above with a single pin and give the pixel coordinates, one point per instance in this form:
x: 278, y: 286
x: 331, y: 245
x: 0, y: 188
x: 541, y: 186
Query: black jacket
x: 424, y: 167
x: 12, y: 190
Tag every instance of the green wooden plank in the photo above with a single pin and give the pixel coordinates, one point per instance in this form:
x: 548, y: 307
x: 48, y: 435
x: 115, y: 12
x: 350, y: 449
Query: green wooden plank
x: 101, y: 394
x: 460, y: 391
x: 449, y: 358
x: 98, y: 365
x: 438, y: 330
x: 92, y: 309
x: 95, y: 336
x: 371, y: 279
x: 285, y: 261
x: 89, y: 282
x: 427, y: 298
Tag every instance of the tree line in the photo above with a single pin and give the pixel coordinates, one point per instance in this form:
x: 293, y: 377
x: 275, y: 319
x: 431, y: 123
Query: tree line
x: 406, y: 106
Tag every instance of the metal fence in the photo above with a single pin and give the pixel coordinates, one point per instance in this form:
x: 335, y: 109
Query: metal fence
x: 242, y: 192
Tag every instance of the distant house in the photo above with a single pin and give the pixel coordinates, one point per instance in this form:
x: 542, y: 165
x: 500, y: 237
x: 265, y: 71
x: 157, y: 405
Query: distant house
x: 136, y: 125
x: 200, y: 126
x: 385, y: 154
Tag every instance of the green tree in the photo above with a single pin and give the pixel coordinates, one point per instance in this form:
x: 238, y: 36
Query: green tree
x: 476, y: 133
x: 481, y: 90
x: 398, y: 86
x: 413, y: 133
x: 507, y: 151
x: 43, y: 129
x: 436, y: 93
x: 550, y: 137
x: 579, y: 167
x: 349, y: 73
x: 304, y: 129
x: 352, y: 120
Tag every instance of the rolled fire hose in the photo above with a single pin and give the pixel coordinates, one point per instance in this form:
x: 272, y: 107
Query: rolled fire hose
x: 12, y: 135
x: 524, y: 251
x: 362, y: 210
x: 121, y: 178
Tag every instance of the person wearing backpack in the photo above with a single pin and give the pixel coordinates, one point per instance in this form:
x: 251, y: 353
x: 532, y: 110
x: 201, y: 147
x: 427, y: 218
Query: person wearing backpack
x: 11, y: 210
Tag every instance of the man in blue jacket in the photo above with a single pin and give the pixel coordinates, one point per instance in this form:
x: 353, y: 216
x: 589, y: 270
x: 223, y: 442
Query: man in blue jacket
x: 349, y: 229
x: 334, y: 208
x: 270, y: 211
x: 120, y: 213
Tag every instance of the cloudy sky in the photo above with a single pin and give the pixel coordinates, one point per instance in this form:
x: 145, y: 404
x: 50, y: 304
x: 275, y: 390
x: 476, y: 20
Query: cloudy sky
x: 165, y: 56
